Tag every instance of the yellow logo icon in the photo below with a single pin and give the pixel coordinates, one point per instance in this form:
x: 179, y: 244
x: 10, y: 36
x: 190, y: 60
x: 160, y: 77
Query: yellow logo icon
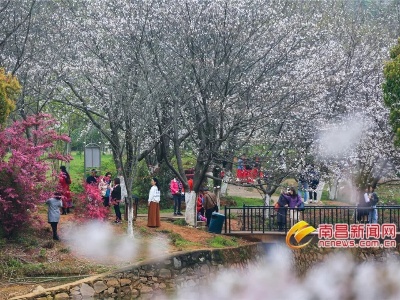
x: 299, y: 230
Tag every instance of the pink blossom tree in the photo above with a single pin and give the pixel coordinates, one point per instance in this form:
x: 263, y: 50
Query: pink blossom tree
x: 26, y: 153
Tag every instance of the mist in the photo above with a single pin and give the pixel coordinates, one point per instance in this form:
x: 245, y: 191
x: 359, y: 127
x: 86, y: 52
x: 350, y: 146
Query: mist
x: 98, y: 242
x: 338, y: 277
x: 341, y: 139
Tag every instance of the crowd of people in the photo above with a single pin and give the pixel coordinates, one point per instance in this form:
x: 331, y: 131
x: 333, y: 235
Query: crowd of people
x: 308, y: 184
x: 290, y: 200
x: 248, y: 170
x: 206, y: 202
x: 61, y: 201
x: 367, y: 211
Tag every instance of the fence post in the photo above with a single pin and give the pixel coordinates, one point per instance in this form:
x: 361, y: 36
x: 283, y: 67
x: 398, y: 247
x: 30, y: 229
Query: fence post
x: 226, y: 219
x: 244, y: 217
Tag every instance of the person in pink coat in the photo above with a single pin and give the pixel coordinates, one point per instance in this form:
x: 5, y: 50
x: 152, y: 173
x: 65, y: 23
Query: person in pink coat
x: 176, y: 189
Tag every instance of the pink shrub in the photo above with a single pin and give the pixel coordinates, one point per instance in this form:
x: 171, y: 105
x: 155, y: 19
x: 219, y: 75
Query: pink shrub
x: 89, y: 204
x: 25, y: 159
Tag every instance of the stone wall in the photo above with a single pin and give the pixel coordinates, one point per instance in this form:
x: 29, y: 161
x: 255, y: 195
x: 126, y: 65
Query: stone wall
x: 305, y: 258
x: 148, y: 279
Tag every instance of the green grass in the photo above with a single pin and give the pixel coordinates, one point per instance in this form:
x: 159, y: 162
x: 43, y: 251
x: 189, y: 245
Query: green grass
x: 389, y: 194
x: 221, y: 242
x: 248, y: 201
x: 179, y: 241
x: 180, y: 222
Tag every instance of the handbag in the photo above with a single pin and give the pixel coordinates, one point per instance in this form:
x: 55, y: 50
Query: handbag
x: 301, y: 207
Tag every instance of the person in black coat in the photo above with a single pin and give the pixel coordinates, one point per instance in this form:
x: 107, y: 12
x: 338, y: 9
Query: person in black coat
x: 281, y: 212
x: 116, y: 199
x: 92, y: 178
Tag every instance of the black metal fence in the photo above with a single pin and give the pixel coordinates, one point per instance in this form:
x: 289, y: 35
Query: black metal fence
x: 265, y: 218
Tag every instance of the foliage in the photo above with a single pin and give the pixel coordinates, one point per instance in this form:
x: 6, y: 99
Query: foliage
x: 9, y: 89
x: 391, y: 88
x: 178, y: 240
x: 25, y: 157
x: 76, y: 169
x: 220, y: 242
x: 209, y: 77
x: 142, y: 184
x: 389, y: 194
x: 89, y: 204
x: 164, y: 175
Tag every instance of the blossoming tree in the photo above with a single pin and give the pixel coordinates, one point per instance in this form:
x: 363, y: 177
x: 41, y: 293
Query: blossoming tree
x: 25, y: 169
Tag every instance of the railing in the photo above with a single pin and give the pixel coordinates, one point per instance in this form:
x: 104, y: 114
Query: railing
x: 265, y: 218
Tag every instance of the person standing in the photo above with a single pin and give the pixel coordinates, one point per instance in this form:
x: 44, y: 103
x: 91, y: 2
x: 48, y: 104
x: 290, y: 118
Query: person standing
x: 240, y: 169
x: 363, y: 207
x: 53, y: 213
x: 313, y: 184
x: 190, y: 183
x: 293, y: 200
x: 372, y: 199
x: 209, y: 203
x: 303, y: 185
x: 92, y: 178
x: 176, y: 189
x: 281, y: 212
x: 64, y: 181
x: 116, y: 199
x: 153, y: 216
x: 200, y: 208
x: 105, y: 188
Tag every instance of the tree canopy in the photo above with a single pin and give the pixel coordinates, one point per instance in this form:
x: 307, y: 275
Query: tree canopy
x: 9, y: 88
x: 391, y: 88
x: 165, y: 79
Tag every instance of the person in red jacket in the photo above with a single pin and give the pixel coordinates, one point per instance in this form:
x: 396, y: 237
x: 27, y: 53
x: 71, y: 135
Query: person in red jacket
x: 64, y: 180
x: 190, y: 183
